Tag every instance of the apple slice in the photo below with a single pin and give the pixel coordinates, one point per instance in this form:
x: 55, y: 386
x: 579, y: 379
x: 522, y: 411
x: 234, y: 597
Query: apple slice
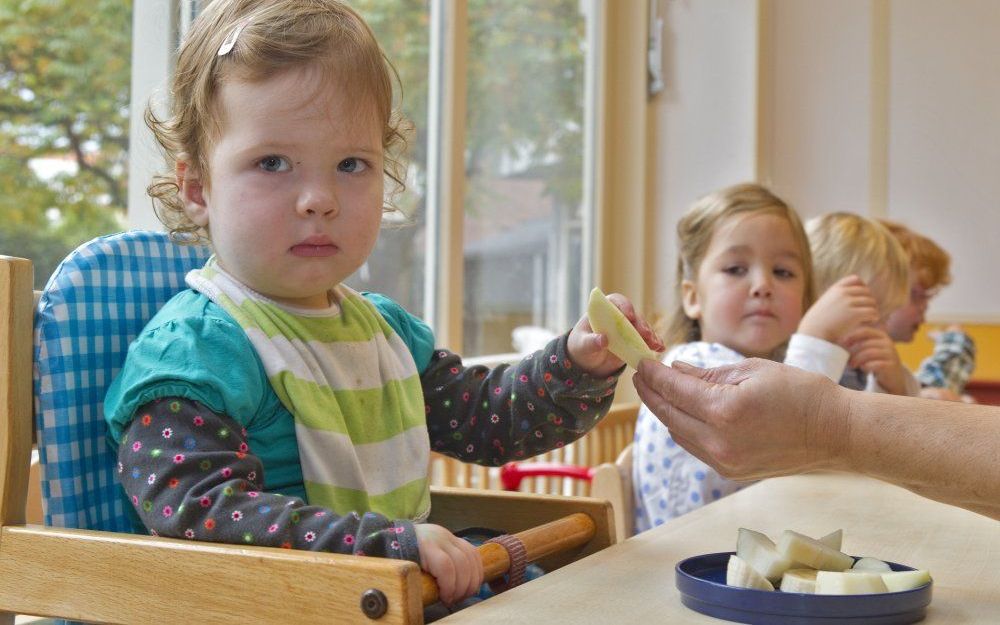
x: 799, y: 580
x: 872, y: 565
x: 741, y: 574
x: 854, y: 583
x: 897, y: 581
x: 812, y: 553
x: 624, y: 340
x: 759, y: 551
x: 833, y: 540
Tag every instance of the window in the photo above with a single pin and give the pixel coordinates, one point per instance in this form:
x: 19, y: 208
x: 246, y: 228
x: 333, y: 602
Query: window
x: 64, y: 127
x: 513, y: 197
x: 524, y: 170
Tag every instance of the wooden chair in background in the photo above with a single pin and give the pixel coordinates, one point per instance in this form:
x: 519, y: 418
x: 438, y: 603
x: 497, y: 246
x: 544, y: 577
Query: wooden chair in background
x: 601, y: 445
x: 610, y: 481
x: 78, y: 568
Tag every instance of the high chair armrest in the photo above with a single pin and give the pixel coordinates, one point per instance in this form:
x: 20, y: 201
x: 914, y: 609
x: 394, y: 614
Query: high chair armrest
x: 510, y: 512
x: 123, y: 578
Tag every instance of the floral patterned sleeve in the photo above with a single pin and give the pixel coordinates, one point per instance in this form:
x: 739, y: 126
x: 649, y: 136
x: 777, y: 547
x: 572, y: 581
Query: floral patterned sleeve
x: 511, y: 412
x: 190, y: 473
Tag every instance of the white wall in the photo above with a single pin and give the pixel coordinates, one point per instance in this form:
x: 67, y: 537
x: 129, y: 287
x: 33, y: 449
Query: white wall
x: 704, y: 122
x: 817, y: 151
x: 882, y: 107
x: 944, y: 142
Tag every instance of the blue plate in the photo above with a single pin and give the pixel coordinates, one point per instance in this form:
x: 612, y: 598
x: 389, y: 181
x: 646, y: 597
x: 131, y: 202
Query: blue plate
x: 702, y: 583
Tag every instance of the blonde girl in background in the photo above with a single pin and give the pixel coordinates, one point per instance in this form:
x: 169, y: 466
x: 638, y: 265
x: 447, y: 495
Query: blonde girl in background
x: 270, y: 404
x: 845, y: 244
x: 744, y: 282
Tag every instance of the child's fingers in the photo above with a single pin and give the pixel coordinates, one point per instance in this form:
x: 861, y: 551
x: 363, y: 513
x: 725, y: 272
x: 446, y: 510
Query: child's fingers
x: 851, y: 280
x: 855, y: 337
x: 871, y: 359
x: 441, y: 566
x: 461, y: 568
x: 594, y: 343
x: 641, y: 325
x: 624, y: 304
x: 475, y: 566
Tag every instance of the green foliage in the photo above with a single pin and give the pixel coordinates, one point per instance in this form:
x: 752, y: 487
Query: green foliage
x: 64, y: 93
x: 525, y: 85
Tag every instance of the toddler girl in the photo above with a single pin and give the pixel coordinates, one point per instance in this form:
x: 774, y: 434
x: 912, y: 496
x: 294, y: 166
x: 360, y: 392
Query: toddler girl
x: 270, y: 404
x: 744, y: 279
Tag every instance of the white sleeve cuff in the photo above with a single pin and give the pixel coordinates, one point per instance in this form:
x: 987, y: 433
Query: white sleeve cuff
x: 816, y: 355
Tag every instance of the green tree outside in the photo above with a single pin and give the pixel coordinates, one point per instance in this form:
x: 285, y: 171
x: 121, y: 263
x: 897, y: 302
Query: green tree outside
x: 64, y: 93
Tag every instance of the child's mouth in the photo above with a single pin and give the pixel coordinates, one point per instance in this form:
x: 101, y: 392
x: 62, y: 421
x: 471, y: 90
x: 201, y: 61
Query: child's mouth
x: 308, y: 250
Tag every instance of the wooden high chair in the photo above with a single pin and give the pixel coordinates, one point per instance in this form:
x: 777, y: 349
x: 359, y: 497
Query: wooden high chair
x: 84, y: 566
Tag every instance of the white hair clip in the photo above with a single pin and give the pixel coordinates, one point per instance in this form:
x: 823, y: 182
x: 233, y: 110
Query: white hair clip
x: 230, y: 41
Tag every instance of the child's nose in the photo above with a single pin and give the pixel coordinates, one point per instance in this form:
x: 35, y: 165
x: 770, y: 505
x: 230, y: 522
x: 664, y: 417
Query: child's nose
x: 762, y: 284
x: 317, y: 201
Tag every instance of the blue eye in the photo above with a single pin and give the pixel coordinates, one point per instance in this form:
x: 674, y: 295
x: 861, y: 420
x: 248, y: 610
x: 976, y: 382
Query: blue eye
x: 735, y: 270
x: 273, y: 164
x: 352, y: 165
x: 784, y: 273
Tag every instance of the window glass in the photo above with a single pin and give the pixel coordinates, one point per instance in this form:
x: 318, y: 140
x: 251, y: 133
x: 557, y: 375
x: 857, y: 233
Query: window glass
x: 525, y: 129
x: 64, y: 96
x: 396, y: 266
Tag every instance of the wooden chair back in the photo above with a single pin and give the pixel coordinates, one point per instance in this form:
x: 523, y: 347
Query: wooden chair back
x: 612, y: 481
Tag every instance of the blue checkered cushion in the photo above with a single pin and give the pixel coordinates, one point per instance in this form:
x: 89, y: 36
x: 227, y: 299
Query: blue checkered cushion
x: 99, y: 298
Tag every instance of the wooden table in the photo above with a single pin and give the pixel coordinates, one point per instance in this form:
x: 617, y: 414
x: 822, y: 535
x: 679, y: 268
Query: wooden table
x: 633, y: 582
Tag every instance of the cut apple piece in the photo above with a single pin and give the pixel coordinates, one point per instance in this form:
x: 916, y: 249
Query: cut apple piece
x: 799, y: 580
x: 873, y: 565
x: 624, y: 340
x: 742, y: 575
x: 760, y: 553
x: 812, y: 553
x: 898, y: 581
x: 833, y: 540
x: 853, y: 583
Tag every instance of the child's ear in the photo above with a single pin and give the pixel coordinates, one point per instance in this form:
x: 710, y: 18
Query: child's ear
x: 689, y: 299
x: 192, y: 193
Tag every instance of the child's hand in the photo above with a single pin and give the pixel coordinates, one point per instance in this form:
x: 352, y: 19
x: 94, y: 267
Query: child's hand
x: 454, y: 563
x: 845, y: 306
x: 873, y: 351
x: 589, y: 350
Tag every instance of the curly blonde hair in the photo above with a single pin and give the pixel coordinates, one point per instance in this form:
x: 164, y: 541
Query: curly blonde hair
x: 275, y: 35
x: 694, y: 234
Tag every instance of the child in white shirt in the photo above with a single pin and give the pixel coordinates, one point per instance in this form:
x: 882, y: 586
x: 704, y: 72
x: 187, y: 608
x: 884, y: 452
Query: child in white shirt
x: 744, y: 282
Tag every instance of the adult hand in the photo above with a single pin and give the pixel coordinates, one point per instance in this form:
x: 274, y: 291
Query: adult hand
x: 873, y: 351
x: 454, y: 563
x: 589, y: 350
x: 846, y: 305
x: 750, y: 420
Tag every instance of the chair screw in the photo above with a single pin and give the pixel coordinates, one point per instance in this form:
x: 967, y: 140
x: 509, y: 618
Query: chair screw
x: 374, y: 603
